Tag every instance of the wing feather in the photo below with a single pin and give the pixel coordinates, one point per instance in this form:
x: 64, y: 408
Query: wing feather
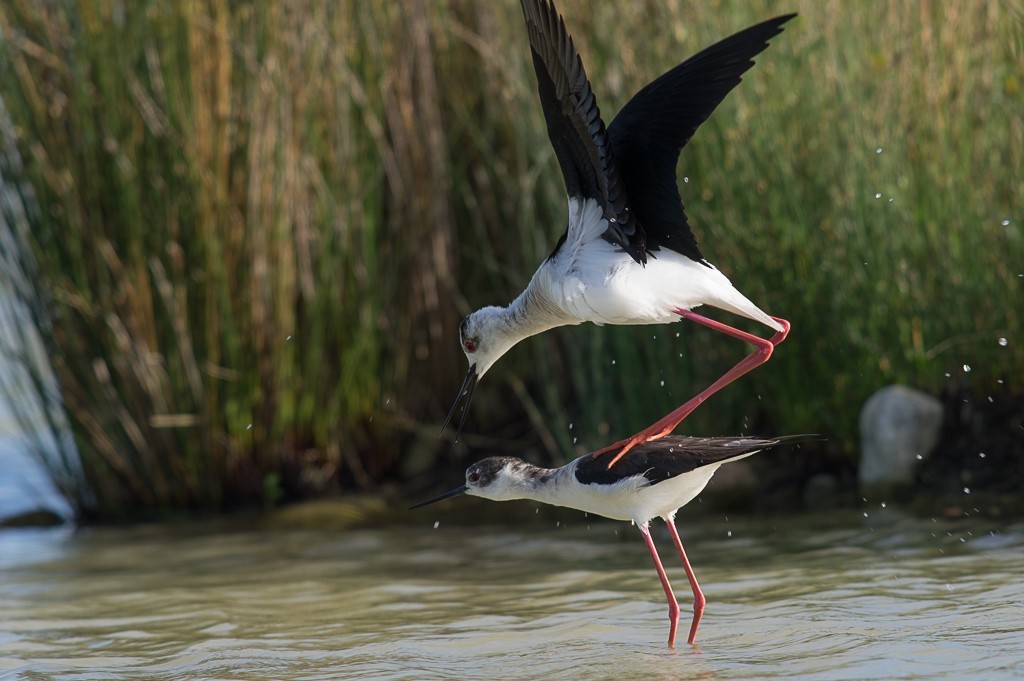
x: 575, y: 127
x: 654, y: 126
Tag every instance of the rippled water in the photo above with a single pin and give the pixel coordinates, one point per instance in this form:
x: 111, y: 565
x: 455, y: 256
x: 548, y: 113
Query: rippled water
x: 837, y: 597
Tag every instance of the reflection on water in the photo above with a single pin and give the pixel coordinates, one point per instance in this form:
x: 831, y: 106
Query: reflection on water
x: 842, y: 597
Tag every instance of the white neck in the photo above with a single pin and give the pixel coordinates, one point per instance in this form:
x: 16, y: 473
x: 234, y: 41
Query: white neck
x: 532, y: 312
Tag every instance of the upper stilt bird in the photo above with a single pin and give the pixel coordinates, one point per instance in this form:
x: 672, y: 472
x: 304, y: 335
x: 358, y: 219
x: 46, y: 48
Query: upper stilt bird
x: 655, y: 481
x: 628, y: 255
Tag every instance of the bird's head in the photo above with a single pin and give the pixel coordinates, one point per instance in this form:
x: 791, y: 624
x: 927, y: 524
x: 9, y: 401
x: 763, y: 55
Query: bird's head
x: 484, y: 336
x: 498, y: 478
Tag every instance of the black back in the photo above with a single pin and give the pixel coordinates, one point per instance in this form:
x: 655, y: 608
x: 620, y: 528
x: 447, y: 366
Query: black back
x: 672, y: 455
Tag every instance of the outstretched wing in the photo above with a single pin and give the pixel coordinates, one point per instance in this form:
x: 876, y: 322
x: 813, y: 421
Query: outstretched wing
x: 673, y: 455
x: 651, y: 130
x: 575, y: 128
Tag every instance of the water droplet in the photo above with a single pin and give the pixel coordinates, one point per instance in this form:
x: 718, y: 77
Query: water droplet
x: 663, y: 384
x: 878, y: 150
x: 981, y: 455
x: 249, y: 427
x: 1006, y: 223
x: 437, y: 524
x: 883, y: 504
x: 729, y: 533
x: 289, y: 337
x: 878, y: 195
x: 967, y: 368
x: 570, y: 425
x: 613, y: 364
x: 967, y: 490
x: 574, y: 440
x: 686, y: 180
x: 865, y: 514
x: 919, y: 457
x: 612, y: 220
x: 1003, y: 342
x: 947, y: 373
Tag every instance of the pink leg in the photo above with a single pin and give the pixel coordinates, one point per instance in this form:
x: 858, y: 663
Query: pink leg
x: 698, y: 595
x: 667, y: 424
x: 673, y: 605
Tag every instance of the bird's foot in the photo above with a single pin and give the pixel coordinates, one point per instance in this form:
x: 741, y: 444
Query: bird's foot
x: 623, y: 446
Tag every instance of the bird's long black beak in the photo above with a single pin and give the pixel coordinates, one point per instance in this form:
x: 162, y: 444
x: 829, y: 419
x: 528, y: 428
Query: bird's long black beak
x: 447, y: 495
x: 468, y: 386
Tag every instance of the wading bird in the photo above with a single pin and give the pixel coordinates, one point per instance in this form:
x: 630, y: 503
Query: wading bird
x: 654, y: 481
x: 628, y: 255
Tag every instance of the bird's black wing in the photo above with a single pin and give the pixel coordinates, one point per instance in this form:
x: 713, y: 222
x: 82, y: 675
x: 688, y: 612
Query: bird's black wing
x: 650, y: 131
x: 673, y: 455
x: 575, y: 128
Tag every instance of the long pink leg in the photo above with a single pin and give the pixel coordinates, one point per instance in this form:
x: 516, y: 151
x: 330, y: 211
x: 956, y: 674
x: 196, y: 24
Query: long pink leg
x: 668, y: 423
x: 698, y: 596
x: 673, y: 604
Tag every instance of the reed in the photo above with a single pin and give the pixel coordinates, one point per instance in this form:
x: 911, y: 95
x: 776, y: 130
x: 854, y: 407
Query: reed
x: 258, y: 225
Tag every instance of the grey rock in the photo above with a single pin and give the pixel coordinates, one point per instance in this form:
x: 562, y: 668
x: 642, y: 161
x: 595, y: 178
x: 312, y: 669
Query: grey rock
x: 897, y: 424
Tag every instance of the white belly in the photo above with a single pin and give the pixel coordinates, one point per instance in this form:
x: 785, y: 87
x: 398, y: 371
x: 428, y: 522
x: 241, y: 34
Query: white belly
x: 635, y: 499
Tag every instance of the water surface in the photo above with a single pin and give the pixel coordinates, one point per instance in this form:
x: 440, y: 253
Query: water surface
x: 833, y: 597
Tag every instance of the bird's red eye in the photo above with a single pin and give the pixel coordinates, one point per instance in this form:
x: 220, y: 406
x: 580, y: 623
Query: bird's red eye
x: 470, y: 346
x: 473, y: 477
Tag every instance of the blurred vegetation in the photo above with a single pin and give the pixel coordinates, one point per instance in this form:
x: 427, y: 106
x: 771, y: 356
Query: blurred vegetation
x: 254, y: 227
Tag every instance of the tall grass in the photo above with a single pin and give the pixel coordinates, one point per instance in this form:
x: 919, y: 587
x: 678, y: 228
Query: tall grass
x: 259, y: 224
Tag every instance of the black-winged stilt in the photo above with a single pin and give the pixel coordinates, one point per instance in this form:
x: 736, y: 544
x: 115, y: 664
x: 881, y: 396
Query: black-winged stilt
x: 657, y: 479
x: 627, y: 255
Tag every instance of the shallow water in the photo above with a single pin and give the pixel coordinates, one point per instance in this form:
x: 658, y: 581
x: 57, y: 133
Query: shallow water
x: 836, y: 597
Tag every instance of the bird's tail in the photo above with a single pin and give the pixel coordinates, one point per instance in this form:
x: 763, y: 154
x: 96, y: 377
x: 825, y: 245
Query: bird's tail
x: 737, y: 303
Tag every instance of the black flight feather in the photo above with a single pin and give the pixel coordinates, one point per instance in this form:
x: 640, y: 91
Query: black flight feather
x: 574, y: 123
x: 650, y: 131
